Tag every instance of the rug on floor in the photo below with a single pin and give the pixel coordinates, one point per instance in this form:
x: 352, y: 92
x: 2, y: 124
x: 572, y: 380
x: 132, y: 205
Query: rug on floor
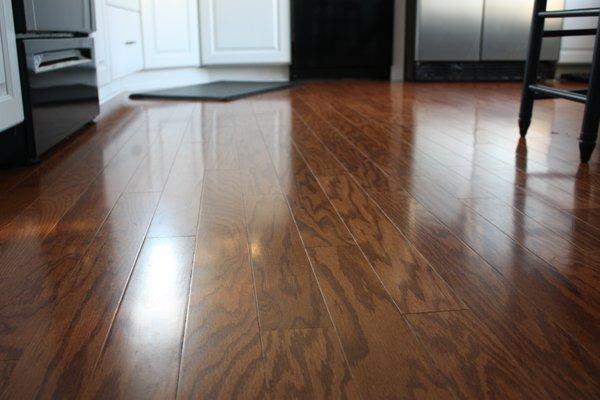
x: 214, y: 91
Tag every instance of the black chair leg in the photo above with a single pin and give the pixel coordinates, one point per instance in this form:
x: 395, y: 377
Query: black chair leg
x: 536, y: 36
x: 591, y: 115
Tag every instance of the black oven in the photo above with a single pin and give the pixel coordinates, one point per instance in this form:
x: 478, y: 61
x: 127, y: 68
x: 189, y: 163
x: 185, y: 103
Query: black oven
x: 60, y: 90
x: 45, y: 16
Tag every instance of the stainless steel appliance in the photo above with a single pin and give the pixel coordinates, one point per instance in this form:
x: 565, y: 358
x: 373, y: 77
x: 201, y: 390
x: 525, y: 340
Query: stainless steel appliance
x: 58, y: 75
x: 474, y: 39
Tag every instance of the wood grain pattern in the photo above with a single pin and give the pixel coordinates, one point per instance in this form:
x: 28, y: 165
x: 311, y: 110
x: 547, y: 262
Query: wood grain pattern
x: 68, y: 335
x: 413, y: 284
x: 385, y: 358
x: 317, y: 220
x: 507, y: 313
x: 306, y: 364
x: 222, y: 356
x: 545, y: 286
x: 21, y: 237
x: 140, y: 359
x: 468, y: 352
x: 350, y: 239
x: 286, y: 289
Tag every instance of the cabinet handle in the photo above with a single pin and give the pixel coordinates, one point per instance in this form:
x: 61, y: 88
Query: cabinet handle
x: 130, y: 42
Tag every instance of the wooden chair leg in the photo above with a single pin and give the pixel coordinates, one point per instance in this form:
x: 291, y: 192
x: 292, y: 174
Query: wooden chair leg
x: 536, y: 35
x: 591, y: 115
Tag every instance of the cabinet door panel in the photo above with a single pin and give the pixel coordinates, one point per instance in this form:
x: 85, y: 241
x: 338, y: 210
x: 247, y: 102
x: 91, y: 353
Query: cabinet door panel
x: 11, y: 104
x: 171, y: 35
x: 125, y: 41
x: 245, y: 31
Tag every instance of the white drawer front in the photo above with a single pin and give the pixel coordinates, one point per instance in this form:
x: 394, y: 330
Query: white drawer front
x: 125, y: 35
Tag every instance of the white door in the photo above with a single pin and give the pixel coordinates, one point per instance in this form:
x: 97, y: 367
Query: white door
x: 171, y: 35
x: 11, y: 103
x: 245, y: 32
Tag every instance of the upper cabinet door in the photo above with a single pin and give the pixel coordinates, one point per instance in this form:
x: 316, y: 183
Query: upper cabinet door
x: 11, y: 103
x: 245, y: 31
x: 171, y: 35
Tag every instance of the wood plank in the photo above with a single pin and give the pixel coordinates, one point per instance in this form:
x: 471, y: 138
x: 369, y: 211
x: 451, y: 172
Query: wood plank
x: 467, y: 351
x: 179, y: 207
x: 153, y: 172
x: 256, y: 167
x: 573, y: 304
x: 547, y: 245
x: 550, y: 355
x: 573, y: 227
x: 307, y: 364
x: 406, y: 274
x: 222, y: 349
x: 286, y: 289
x: 317, y: 220
x: 20, y: 239
x: 140, y: 359
x: 384, y: 356
x: 70, y: 331
x: 39, y: 279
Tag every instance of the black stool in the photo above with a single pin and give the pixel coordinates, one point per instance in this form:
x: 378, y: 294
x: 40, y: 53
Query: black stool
x: 532, y: 91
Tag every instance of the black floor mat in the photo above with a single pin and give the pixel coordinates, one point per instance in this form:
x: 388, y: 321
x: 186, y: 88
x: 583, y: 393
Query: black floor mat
x: 215, y: 91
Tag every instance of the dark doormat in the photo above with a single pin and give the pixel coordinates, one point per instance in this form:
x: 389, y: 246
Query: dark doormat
x: 214, y: 91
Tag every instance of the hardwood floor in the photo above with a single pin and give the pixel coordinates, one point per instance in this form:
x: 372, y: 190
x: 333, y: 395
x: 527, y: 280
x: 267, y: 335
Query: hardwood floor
x: 337, y: 240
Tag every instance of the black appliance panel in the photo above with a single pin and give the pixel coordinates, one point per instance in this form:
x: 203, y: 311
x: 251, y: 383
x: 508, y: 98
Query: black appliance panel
x: 60, y: 89
x: 342, y: 34
x: 62, y: 16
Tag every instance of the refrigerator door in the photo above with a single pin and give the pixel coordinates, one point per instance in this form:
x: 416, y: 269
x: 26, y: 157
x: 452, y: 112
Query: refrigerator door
x: 448, y: 30
x: 506, y: 30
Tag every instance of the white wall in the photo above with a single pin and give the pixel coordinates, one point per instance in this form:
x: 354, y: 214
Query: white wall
x: 578, y: 49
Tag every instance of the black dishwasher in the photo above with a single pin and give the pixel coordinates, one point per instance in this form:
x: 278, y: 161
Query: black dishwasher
x: 60, y: 91
x: 342, y: 38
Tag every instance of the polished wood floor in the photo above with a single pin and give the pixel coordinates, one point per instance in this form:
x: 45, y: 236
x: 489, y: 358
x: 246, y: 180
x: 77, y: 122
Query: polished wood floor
x: 337, y: 240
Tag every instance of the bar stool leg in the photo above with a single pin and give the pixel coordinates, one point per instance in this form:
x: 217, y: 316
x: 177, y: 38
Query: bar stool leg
x: 591, y: 115
x: 536, y: 36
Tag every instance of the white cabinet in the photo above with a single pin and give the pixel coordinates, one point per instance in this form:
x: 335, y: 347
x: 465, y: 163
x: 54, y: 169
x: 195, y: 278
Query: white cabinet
x: 101, y: 41
x: 125, y: 41
x: 245, y: 31
x: 11, y: 103
x: 171, y: 35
